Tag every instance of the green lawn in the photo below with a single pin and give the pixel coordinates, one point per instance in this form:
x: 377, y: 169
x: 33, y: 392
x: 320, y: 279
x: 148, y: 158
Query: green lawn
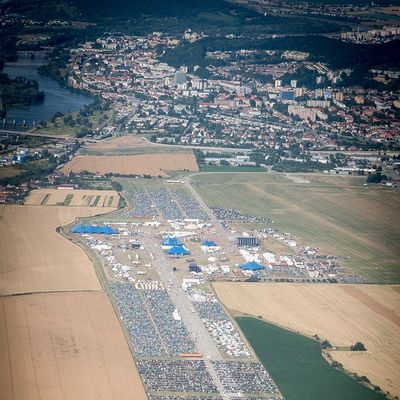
x: 59, y: 128
x: 297, y: 366
x: 339, y: 215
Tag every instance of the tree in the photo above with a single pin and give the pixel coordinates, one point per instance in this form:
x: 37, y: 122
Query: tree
x: 374, y: 178
x: 358, y: 347
x: 326, y: 345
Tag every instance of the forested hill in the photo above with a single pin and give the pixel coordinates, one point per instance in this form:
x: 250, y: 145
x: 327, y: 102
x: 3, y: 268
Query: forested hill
x: 170, y: 15
x: 336, y: 53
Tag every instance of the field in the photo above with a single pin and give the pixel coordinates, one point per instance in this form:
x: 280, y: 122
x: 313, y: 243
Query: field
x: 74, y: 198
x: 296, y: 365
x: 59, y: 335
x: 342, y: 314
x: 6, y: 172
x: 223, y: 168
x: 64, y: 346
x: 143, y: 164
x: 337, y: 214
x: 35, y: 258
x: 129, y: 144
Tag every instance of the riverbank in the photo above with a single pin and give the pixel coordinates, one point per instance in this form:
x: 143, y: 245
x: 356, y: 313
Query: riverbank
x: 56, y: 97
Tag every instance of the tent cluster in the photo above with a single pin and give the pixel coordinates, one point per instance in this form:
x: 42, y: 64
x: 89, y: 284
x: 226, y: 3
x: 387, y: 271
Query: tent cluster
x: 209, y: 243
x: 106, y: 230
x: 252, y: 266
x: 176, y: 247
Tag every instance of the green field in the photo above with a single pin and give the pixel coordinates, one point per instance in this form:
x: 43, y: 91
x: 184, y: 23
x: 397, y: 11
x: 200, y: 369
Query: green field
x: 222, y: 168
x: 297, y: 366
x: 59, y: 128
x: 339, y: 215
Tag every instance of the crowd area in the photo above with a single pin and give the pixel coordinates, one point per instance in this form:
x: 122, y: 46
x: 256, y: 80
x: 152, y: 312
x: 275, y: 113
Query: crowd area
x: 173, y: 332
x: 134, y: 315
x: 226, y: 215
x: 221, y: 329
x: 142, y: 205
x: 165, y: 203
x: 176, y: 376
x: 190, y: 205
x: 172, y: 204
x: 185, y: 398
x: 244, y: 377
x: 148, y: 315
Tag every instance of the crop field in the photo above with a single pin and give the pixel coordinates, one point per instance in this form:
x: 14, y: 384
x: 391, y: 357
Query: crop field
x: 60, y: 337
x: 339, y: 215
x: 297, y: 366
x: 143, y: 164
x: 6, y: 172
x: 129, y: 144
x: 34, y: 257
x: 64, y: 346
x: 74, y: 198
x: 342, y: 314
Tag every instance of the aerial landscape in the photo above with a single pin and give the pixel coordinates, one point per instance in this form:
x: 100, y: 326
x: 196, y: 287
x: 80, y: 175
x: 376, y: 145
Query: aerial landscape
x: 200, y: 200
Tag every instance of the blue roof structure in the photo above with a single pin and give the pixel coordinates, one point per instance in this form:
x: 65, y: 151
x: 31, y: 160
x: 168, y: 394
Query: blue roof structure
x: 171, y: 241
x: 106, y: 230
x: 177, y: 251
x: 252, y: 266
x: 209, y: 243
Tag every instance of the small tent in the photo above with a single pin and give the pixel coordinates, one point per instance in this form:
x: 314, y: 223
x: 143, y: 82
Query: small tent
x: 177, y: 251
x: 209, y: 243
x: 252, y: 266
x: 171, y: 241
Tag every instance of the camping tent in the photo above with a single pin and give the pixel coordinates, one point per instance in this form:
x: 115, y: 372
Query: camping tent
x: 209, y: 243
x: 94, y: 229
x: 171, y: 241
x: 177, y: 250
x: 252, y: 266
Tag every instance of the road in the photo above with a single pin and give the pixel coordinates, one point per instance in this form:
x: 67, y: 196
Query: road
x: 180, y: 299
x: 164, y: 266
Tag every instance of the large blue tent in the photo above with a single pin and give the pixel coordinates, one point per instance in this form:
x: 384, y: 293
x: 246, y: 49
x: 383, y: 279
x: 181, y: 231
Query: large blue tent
x: 171, y: 241
x: 177, y: 251
x: 209, y: 243
x: 106, y: 230
x: 252, y: 266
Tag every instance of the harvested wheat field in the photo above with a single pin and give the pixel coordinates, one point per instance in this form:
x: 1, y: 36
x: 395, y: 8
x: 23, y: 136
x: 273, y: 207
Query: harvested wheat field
x: 142, y: 164
x: 342, y: 314
x: 73, y: 198
x: 64, y: 346
x: 34, y: 257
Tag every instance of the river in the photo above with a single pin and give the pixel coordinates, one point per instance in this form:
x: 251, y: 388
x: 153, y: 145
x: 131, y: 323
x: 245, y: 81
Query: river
x: 57, y: 98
